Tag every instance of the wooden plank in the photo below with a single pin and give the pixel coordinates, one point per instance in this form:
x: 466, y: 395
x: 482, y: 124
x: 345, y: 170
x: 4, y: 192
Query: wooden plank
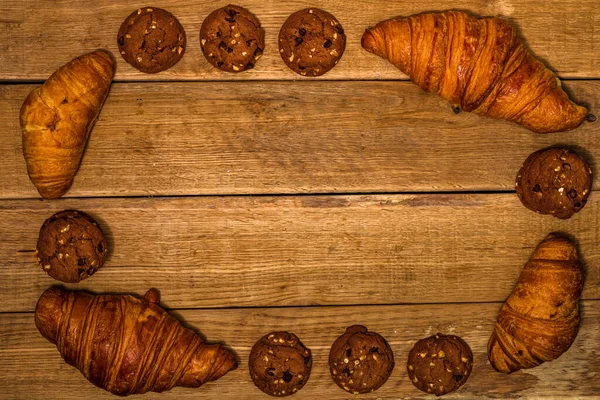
x: 257, y: 138
x: 30, y: 367
x: 37, y: 43
x: 303, y: 250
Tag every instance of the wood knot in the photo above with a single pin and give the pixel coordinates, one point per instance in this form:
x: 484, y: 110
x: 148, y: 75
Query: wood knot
x: 590, y: 117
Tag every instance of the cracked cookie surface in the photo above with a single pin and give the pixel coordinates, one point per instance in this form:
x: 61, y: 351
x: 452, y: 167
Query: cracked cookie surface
x: 440, y: 364
x: 554, y: 181
x: 279, y: 364
x: 311, y: 42
x: 71, y: 246
x: 151, y: 39
x: 360, y: 361
x: 232, y: 39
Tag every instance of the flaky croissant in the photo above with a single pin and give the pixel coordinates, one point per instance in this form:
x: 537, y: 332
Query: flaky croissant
x: 127, y: 345
x: 540, y: 319
x: 477, y: 64
x: 57, y: 118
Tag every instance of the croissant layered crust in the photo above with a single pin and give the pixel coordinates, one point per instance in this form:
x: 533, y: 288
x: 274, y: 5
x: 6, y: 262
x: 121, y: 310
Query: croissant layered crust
x: 57, y: 118
x: 540, y: 319
x: 127, y: 345
x: 478, y: 64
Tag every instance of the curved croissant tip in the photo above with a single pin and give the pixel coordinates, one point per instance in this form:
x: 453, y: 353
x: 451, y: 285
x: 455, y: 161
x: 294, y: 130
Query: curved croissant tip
x: 368, y: 41
x: 556, y: 246
x: 47, y: 312
x: 153, y: 296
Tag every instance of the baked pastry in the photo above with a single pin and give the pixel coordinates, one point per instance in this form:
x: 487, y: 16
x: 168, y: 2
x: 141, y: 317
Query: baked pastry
x: 540, y: 319
x: 554, y: 181
x: 151, y: 40
x: 279, y: 364
x: 440, y: 364
x: 127, y: 345
x: 479, y: 64
x: 57, y: 119
x: 71, y: 246
x: 232, y: 39
x: 360, y: 361
x: 311, y: 42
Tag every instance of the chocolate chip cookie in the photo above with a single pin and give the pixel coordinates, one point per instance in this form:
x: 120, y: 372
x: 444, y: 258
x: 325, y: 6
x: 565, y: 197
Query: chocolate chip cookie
x: 360, y: 361
x: 440, y: 364
x: 232, y: 39
x: 280, y: 364
x: 71, y: 246
x: 151, y: 40
x: 311, y: 42
x: 554, y: 181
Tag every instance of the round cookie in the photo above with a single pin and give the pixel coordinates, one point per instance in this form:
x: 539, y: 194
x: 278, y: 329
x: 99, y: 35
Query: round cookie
x: 71, y: 246
x: 311, y: 42
x: 232, y: 39
x: 360, y: 361
x: 440, y: 364
x: 554, y: 181
x: 279, y: 364
x: 151, y: 40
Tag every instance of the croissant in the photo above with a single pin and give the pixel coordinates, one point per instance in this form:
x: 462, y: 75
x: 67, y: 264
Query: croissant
x: 477, y: 64
x: 540, y: 319
x: 57, y: 118
x: 127, y: 345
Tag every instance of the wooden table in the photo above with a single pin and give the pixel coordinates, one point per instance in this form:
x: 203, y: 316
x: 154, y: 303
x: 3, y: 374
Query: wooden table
x: 261, y: 201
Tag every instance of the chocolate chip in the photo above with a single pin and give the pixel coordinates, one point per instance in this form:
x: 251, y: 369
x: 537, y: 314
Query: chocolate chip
x: 100, y: 248
x: 220, y: 63
x: 346, y: 372
x: 572, y: 193
x: 327, y: 44
x: 339, y: 29
x: 298, y: 40
x: 258, y: 52
x: 230, y: 20
x: 537, y: 188
x: 306, y: 360
x: 121, y: 41
x: 218, y: 34
x: 287, y: 377
x: 249, y: 42
x: 271, y: 371
x: 80, y: 271
x: 81, y: 262
x: 458, y: 378
x: 222, y: 45
x: 249, y: 66
x: 374, y: 349
x: 301, y: 67
x: 590, y: 117
x: 348, y: 352
x: 229, y: 50
x: 578, y: 204
x: 91, y: 271
x: 302, y: 31
x: 232, y: 13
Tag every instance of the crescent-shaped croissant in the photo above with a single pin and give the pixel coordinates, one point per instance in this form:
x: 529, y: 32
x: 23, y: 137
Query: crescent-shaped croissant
x: 57, y: 118
x: 540, y: 319
x: 477, y: 64
x: 127, y: 345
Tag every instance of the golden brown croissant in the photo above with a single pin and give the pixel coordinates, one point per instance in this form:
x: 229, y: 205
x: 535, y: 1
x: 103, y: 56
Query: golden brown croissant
x: 57, y: 118
x: 127, y: 345
x: 540, y: 319
x: 478, y: 64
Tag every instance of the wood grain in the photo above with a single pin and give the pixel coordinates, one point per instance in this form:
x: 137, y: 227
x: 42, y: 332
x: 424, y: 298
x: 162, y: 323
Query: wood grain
x: 39, y: 36
x: 303, y: 250
x: 302, y: 137
x: 31, y: 367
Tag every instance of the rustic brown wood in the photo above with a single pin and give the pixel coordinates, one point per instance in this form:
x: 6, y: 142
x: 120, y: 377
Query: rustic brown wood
x: 39, y: 36
x: 309, y: 250
x: 310, y: 137
x: 31, y: 367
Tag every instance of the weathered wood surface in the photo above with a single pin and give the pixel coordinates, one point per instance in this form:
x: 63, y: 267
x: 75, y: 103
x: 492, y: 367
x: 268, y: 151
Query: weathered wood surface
x: 303, y: 250
x: 270, y: 137
x: 31, y: 367
x: 39, y: 36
